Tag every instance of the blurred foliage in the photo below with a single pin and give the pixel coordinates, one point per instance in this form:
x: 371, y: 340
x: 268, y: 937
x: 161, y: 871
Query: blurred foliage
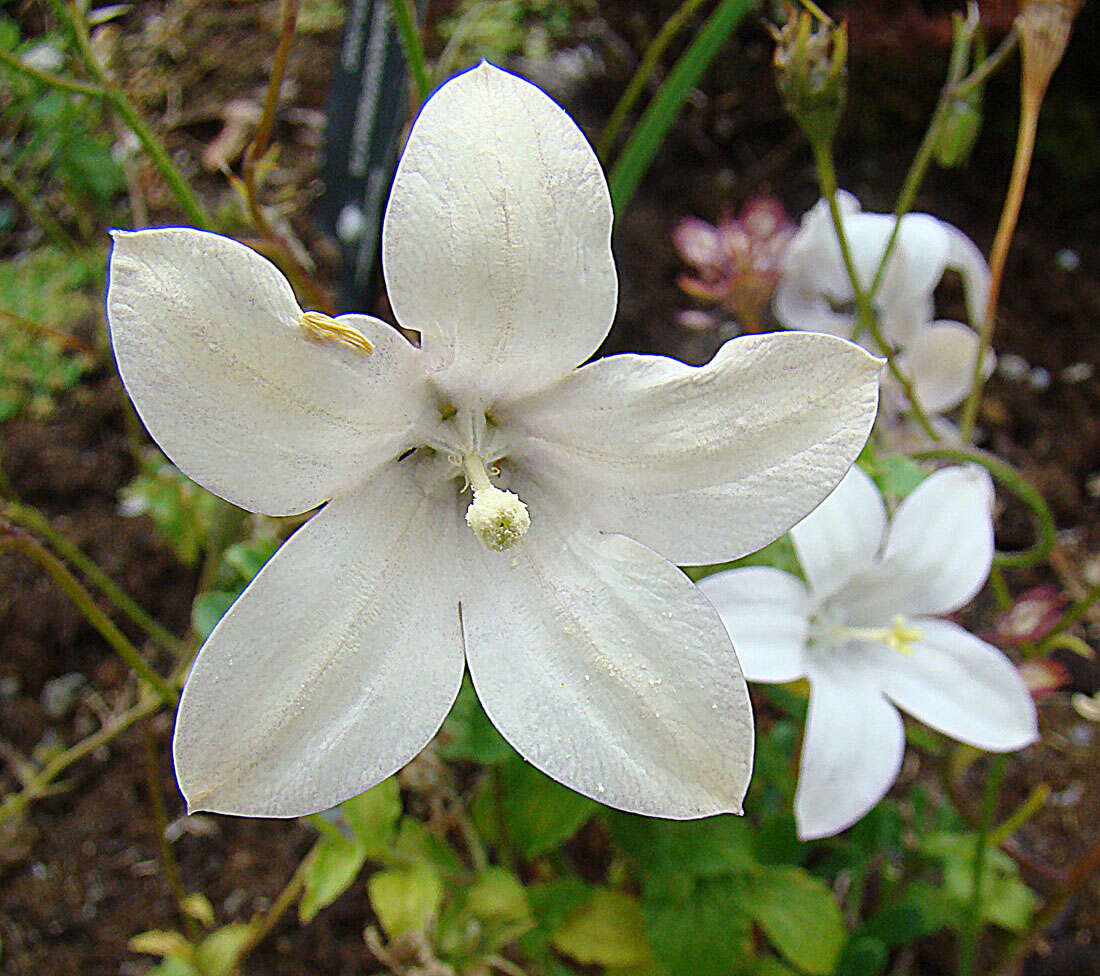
x: 43, y: 293
x: 501, y: 29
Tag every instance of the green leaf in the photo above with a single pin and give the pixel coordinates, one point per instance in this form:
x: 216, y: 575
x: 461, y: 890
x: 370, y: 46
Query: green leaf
x: 405, y: 899
x: 160, y: 942
x: 336, y: 862
x: 498, y: 895
x: 799, y: 915
x: 209, y: 607
x: 920, y: 911
x: 768, y: 966
x: 198, y: 906
x: 539, y: 814
x: 468, y: 733
x: 373, y: 817
x: 663, y: 110
x: 217, y: 953
x: 677, y: 851
x: 1006, y: 900
x: 607, y: 931
x: 897, y: 476
x: 706, y: 933
x: 863, y: 955
x: 415, y: 843
x: 249, y: 557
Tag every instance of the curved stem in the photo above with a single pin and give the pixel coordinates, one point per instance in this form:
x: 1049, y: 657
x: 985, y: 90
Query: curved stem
x: 58, y: 572
x: 1023, y: 489
x: 39, y: 784
x: 263, y: 924
x: 31, y: 518
x: 61, y: 82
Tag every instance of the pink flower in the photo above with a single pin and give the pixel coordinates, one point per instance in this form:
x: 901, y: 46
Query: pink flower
x: 737, y: 262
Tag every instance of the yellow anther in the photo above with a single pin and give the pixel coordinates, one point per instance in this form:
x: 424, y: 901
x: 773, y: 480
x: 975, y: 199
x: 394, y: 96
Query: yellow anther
x: 324, y: 328
x: 499, y: 519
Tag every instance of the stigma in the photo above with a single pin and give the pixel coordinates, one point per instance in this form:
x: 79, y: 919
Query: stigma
x: 498, y: 518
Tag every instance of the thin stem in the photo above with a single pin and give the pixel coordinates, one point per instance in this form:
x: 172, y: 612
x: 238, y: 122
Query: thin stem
x: 1014, y: 481
x: 73, y: 17
x: 62, y: 82
x: 1073, y: 614
x: 160, y: 827
x: 31, y: 518
x: 76, y: 592
x: 652, y: 55
x: 405, y: 18
x: 866, y: 318
x: 1031, y: 100
x: 1049, y: 911
x: 972, y: 925
x: 40, y: 783
x: 1021, y: 815
x: 981, y: 74
x: 258, y: 148
x: 261, y: 925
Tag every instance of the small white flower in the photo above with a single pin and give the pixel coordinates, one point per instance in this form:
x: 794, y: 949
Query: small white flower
x: 591, y: 652
x: 865, y: 632
x: 815, y: 294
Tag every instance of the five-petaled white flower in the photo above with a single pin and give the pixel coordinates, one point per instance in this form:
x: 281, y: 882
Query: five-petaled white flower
x: 865, y: 632
x: 815, y: 294
x: 592, y: 654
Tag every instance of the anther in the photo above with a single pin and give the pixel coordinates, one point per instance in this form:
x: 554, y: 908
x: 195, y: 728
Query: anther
x: 324, y: 328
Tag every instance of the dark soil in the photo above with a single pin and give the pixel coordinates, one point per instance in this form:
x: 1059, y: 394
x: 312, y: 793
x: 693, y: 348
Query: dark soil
x: 79, y: 874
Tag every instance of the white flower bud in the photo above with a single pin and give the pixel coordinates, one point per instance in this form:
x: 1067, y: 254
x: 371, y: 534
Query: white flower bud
x: 499, y: 519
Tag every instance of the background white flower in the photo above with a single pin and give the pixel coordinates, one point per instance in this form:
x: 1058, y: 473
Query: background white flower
x: 864, y: 630
x: 591, y: 652
x: 815, y: 294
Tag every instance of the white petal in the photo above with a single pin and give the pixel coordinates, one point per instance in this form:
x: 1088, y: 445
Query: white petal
x: 704, y: 463
x: 940, y: 364
x: 798, y: 305
x: 851, y: 752
x: 960, y: 685
x: 608, y: 670
x: 965, y: 258
x: 920, y: 255
x: 940, y: 546
x: 843, y: 535
x: 337, y: 664
x: 206, y: 337
x: 766, y: 612
x: 497, y: 238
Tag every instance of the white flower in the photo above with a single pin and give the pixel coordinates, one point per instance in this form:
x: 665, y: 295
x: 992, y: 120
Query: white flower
x: 815, y: 294
x: 865, y: 632
x: 592, y: 654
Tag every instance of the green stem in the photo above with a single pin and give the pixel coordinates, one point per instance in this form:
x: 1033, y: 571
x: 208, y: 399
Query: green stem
x: 261, y: 925
x: 40, y: 783
x: 48, y: 78
x: 866, y: 317
x: 1010, y: 478
x: 1073, y: 614
x: 120, y: 102
x: 30, y: 518
x: 1021, y: 815
x: 405, y: 19
x: 972, y: 923
x: 160, y: 826
x: 669, y: 29
x: 57, y: 571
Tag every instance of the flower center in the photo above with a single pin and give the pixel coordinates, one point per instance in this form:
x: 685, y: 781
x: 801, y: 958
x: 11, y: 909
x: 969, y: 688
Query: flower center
x: 899, y: 636
x: 499, y: 519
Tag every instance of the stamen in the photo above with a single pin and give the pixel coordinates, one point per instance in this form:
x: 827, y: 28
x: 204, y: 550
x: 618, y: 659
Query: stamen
x: 499, y: 519
x: 321, y: 328
x: 899, y: 636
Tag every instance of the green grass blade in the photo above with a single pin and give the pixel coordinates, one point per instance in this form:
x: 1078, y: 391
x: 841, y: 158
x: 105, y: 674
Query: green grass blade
x: 658, y: 117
